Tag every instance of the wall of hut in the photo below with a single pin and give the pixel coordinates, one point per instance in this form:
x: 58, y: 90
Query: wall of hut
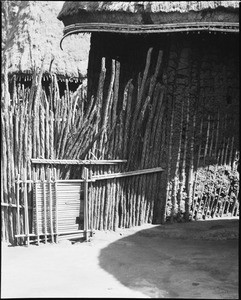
x: 172, y: 102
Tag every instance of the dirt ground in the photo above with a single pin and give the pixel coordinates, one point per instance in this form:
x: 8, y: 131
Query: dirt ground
x: 184, y: 260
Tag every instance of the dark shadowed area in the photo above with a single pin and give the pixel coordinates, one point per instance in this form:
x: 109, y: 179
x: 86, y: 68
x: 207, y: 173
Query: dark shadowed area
x: 189, y: 260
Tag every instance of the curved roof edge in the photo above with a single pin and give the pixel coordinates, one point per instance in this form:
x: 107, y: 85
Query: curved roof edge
x: 226, y: 27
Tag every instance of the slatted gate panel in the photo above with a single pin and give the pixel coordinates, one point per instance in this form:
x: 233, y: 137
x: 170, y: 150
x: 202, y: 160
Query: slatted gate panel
x: 70, y: 207
x: 58, y: 210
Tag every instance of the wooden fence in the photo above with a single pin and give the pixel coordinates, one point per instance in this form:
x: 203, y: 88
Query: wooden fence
x: 35, y: 126
x: 68, y: 209
x: 137, y: 127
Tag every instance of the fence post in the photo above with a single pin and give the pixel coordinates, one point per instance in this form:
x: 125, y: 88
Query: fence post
x: 92, y: 204
x: 50, y: 205
x: 26, y: 206
x: 18, y: 208
x: 85, y: 177
x: 56, y: 205
x: 36, y: 203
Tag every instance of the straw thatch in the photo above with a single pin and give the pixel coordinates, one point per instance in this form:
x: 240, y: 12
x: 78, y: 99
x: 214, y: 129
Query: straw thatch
x: 34, y: 32
x: 149, y: 17
x: 73, y: 7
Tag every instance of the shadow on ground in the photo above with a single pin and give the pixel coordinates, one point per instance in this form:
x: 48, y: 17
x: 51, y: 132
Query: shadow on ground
x: 188, y: 260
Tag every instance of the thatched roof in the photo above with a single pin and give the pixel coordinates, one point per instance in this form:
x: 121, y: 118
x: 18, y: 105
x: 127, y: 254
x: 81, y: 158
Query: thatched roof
x: 35, y: 33
x: 73, y: 7
x: 148, y: 16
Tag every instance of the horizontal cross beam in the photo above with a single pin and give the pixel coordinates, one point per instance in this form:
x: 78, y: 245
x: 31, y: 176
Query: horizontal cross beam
x: 126, y: 174
x: 76, y: 161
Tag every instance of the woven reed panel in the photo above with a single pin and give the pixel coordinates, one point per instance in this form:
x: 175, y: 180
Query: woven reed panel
x: 70, y: 206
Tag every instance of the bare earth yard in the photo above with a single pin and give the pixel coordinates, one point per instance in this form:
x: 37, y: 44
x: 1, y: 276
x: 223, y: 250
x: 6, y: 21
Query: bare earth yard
x: 184, y: 260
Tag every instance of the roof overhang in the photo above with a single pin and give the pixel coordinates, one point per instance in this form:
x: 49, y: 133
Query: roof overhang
x: 224, y: 27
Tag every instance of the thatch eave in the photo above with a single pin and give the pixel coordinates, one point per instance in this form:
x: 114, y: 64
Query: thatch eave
x: 150, y: 17
x: 147, y: 29
x: 75, y: 7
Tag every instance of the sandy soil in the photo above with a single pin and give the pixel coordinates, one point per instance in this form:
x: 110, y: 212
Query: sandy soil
x: 185, y: 260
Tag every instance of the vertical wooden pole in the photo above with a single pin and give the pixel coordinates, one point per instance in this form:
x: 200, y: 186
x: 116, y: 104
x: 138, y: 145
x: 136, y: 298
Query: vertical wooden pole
x: 45, y: 213
x: 204, y: 204
x: 207, y: 140
x: 92, y: 205
x: 234, y: 204
x: 50, y: 206
x: 215, y: 210
x: 18, y: 209
x: 237, y: 210
x: 163, y: 217
x: 189, y: 181
x: 212, y: 138
x: 175, y: 184
x: 217, y: 137
x: 231, y: 152
x: 56, y: 205
x: 36, y: 203
x: 85, y: 177
x: 26, y: 207
x: 195, y: 201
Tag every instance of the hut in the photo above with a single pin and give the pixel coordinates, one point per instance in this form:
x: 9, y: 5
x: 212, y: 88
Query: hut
x: 28, y: 40
x: 166, y: 75
x: 155, y: 138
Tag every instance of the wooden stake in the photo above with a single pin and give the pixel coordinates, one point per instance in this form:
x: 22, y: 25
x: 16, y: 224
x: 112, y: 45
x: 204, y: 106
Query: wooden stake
x: 56, y: 205
x: 198, y: 162
x: 217, y: 136
x: 169, y: 166
x: 189, y: 181
x: 26, y: 208
x: 212, y: 138
x: 207, y: 139
x: 50, y: 206
x: 175, y: 185
x: 226, y: 152
x: 91, y: 200
x: 37, y: 212
x: 116, y: 90
x: 85, y: 177
x: 45, y: 212
x: 231, y: 152
x: 237, y: 210
x: 18, y: 208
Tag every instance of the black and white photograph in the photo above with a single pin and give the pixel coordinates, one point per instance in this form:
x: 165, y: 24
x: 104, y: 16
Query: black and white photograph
x: 120, y: 155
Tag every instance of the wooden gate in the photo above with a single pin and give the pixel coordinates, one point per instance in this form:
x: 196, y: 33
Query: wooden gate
x: 63, y: 209
x: 58, y: 210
